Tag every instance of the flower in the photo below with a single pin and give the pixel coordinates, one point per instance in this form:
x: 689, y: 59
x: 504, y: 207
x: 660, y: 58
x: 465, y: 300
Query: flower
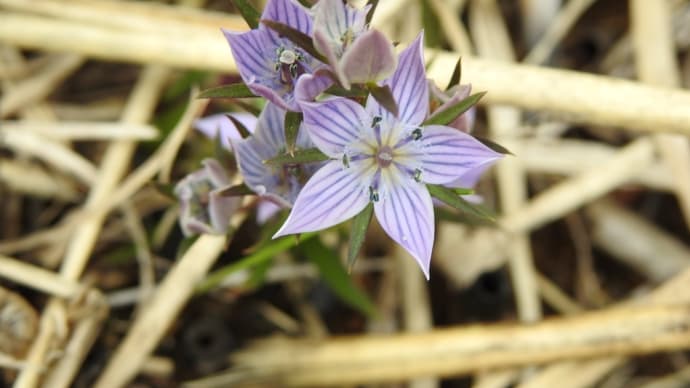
x: 221, y: 127
x: 203, y: 208
x: 387, y: 160
x: 444, y: 100
x: 278, y: 184
x: 269, y: 64
x: 355, y: 53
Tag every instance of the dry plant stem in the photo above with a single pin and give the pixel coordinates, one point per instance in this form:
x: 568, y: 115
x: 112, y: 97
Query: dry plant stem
x: 29, y: 179
x: 573, y: 374
x: 139, y: 109
x: 537, y: 16
x: 35, y: 360
x: 147, y: 277
x: 455, y: 32
x: 581, y: 97
x: 556, y: 31
x: 468, y: 349
x: 556, y: 298
x: 80, y: 130
x: 677, y: 379
x: 655, y: 59
x: 652, y: 252
x: 497, y: 379
x: 52, y: 152
x: 416, y: 310
x: 83, y: 336
x: 38, y: 87
x: 493, y: 41
x: 38, y: 278
x: 149, y: 327
x: 580, y: 189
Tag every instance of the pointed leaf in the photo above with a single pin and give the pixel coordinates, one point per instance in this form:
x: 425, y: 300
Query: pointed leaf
x: 305, y: 3
x: 239, y: 90
x: 244, y: 132
x: 449, y: 197
x: 370, y: 15
x: 236, y: 190
x: 308, y: 155
x: 384, y: 96
x: 297, y: 37
x: 249, y: 14
x: 457, y: 74
x: 342, y: 92
x: 494, y: 146
x: 333, y: 273
x: 449, y: 114
x: 292, y: 122
x: 360, y: 225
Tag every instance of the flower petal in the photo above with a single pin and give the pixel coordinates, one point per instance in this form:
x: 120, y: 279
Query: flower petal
x: 221, y: 127
x: 311, y: 85
x: 271, y: 128
x: 463, y: 122
x: 220, y: 209
x: 370, y: 58
x: 408, y: 85
x: 288, y: 12
x: 406, y: 213
x: 252, y: 53
x: 333, y: 124
x: 265, y: 210
x: 445, y: 154
x: 333, y: 195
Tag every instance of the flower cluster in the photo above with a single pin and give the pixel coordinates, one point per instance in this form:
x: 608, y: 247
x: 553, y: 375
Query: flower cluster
x: 348, y: 126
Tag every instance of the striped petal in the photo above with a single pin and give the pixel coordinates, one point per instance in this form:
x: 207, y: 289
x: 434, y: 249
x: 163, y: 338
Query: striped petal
x: 334, y: 124
x: 288, y: 12
x: 333, y: 195
x: 444, y: 154
x: 406, y: 213
x: 219, y: 126
x: 270, y: 130
x: 309, y: 86
x: 253, y: 54
x: 408, y: 85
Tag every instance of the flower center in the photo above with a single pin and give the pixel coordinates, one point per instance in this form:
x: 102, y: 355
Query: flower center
x: 384, y: 156
x: 289, y: 65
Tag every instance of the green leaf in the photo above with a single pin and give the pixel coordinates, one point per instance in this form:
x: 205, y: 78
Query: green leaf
x: 297, y: 37
x: 494, y: 146
x: 308, y: 155
x: 305, y: 3
x: 370, y: 15
x: 239, y: 90
x: 263, y: 254
x: 384, y: 96
x: 457, y: 74
x: 342, y: 92
x: 452, y: 112
x: 244, y: 132
x: 333, y: 273
x: 360, y: 225
x: 237, y: 190
x: 433, y: 32
x: 292, y: 123
x: 249, y: 13
x: 449, y: 197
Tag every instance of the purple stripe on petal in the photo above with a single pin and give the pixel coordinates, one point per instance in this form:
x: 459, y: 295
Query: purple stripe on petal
x: 446, y: 154
x: 250, y: 53
x: 406, y: 214
x: 271, y: 128
x: 290, y: 13
x: 334, y: 124
x: 333, y: 195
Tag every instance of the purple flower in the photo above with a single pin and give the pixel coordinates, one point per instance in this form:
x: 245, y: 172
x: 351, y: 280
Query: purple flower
x: 219, y: 126
x: 355, y: 53
x: 387, y: 160
x: 279, y: 184
x: 269, y: 64
x: 446, y: 99
x: 203, y: 208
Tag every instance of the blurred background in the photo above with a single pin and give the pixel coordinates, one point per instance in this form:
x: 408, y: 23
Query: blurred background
x: 582, y: 280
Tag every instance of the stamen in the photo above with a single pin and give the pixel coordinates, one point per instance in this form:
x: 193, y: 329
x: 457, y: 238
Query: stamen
x: 288, y: 57
x: 373, y: 194
x: 417, y: 175
x: 346, y: 161
x: 417, y: 134
x: 376, y: 121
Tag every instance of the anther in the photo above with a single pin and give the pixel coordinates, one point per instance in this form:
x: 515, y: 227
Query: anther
x: 373, y: 194
x: 417, y: 175
x: 417, y: 134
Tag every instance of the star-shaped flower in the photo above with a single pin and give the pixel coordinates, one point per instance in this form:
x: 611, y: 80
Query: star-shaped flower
x: 278, y: 184
x: 387, y: 160
x: 269, y: 64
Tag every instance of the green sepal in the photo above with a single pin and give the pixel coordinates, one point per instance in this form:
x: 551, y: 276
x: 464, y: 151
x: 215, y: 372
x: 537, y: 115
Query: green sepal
x: 370, y: 14
x: 238, y: 90
x: 457, y: 74
x: 360, y: 225
x: 494, y: 146
x: 244, y: 132
x: 249, y: 13
x: 292, y: 123
x: 451, y: 198
x: 384, y: 96
x: 449, y: 114
x: 308, y: 155
x: 335, y: 276
x: 237, y: 190
x: 297, y: 37
x: 342, y: 92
